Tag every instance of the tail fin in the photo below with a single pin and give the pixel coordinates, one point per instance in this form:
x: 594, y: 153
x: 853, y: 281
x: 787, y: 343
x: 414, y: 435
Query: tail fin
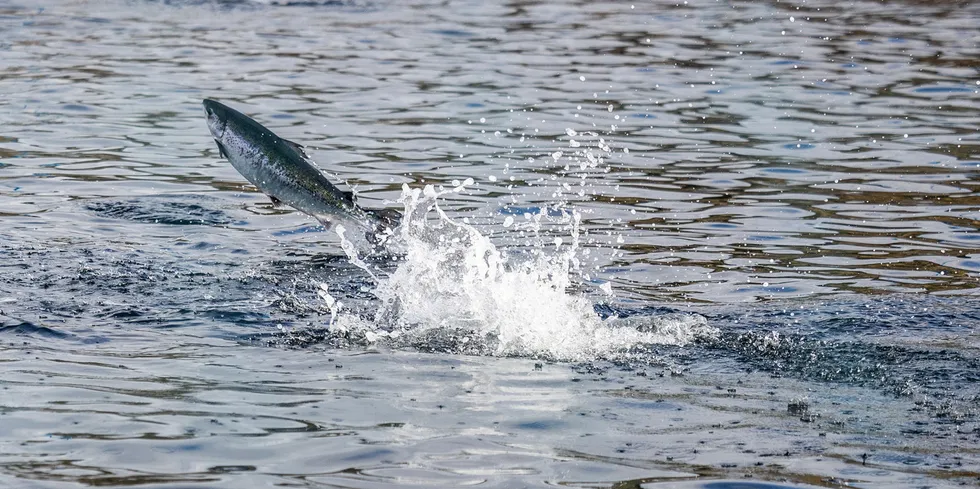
x: 386, y: 220
x: 388, y: 217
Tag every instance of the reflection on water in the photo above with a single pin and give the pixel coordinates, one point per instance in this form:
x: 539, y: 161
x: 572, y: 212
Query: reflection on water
x: 218, y: 414
x: 718, y: 152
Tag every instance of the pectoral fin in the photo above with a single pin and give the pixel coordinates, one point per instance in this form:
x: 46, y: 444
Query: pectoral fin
x: 221, y: 149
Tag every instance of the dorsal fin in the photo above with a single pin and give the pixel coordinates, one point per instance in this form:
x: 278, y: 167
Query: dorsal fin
x: 299, y: 149
x: 275, y: 201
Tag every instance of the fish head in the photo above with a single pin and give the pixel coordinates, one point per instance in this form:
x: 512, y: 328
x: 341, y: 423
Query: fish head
x: 218, y: 115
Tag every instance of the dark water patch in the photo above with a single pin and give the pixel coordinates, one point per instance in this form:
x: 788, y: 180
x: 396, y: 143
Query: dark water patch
x: 323, y: 3
x: 228, y: 469
x: 903, y: 348
x: 204, y: 245
x: 540, y: 425
x: 551, y: 211
x: 741, y: 485
x: 793, y: 171
x: 453, y: 33
x: 13, y: 326
x: 895, y: 316
x: 253, y: 4
x: 124, y: 313
x: 970, y: 265
x: 234, y: 316
x: 944, y: 90
x: 799, y: 146
x: 765, y: 238
x: 306, y: 337
x: 97, y: 289
x: 607, y: 310
x: 453, y: 341
x: 300, y: 230
x: 174, y: 211
x: 899, y: 370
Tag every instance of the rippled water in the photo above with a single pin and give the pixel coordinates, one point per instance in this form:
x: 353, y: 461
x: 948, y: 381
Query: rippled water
x: 784, y: 194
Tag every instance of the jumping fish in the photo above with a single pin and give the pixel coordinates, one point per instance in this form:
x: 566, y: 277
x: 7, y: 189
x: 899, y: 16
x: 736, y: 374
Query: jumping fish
x: 282, y: 170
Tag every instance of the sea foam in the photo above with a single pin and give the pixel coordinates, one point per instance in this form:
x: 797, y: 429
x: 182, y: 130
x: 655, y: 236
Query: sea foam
x: 451, y: 280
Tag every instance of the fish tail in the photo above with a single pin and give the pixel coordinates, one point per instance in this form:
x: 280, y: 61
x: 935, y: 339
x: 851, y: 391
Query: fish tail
x: 386, y: 217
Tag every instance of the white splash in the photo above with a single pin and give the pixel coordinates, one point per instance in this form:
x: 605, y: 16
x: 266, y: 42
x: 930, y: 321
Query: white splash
x: 333, y: 305
x: 451, y: 277
x: 351, y: 250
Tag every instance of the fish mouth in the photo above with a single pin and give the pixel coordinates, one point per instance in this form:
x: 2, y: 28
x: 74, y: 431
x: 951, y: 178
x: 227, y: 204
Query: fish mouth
x: 217, y: 115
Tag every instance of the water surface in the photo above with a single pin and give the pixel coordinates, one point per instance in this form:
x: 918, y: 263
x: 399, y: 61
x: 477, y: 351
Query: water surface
x: 778, y: 200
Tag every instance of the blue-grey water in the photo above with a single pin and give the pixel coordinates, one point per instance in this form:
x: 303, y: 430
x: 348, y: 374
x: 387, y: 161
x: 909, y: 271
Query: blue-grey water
x: 779, y: 205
